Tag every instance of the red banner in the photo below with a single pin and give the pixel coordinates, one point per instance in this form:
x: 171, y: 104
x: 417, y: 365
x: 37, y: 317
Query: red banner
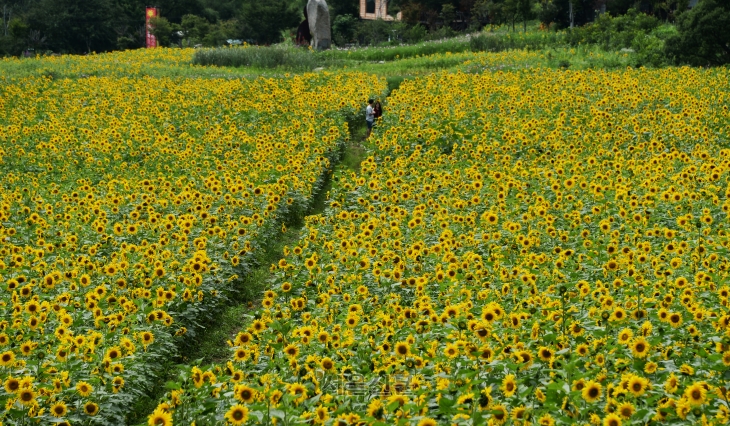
x: 151, y: 39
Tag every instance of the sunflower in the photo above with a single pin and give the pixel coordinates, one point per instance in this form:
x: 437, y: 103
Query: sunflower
x: 546, y: 420
x: 675, y: 319
x: 160, y: 417
x: 625, y: 335
x: 84, y: 389
x: 540, y: 395
x: 7, y: 358
x: 376, y: 409
x: 592, y: 391
x: 626, y: 410
x: 426, y: 421
x: 402, y: 349
x: 637, y: 385
x: 695, y: 394
x: 509, y: 385
x: 26, y: 396
x: 612, y: 420
x: 582, y: 349
x: 672, y: 384
x: 113, y: 353
x: 275, y: 397
x: 91, y: 408
x: 147, y: 338
x: 291, y: 350
x: 298, y: 390
x: 59, y: 409
x: 618, y: 315
x: 237, y: 415
x: 244, y: 393
x: 518, y: 413
x: 466, y: 399
x: 451, y: 350
x: 11, y: 384
x: 485, y: 397
x: 545, y: 353
x: 240, y: 354
x: 500, y: 413
x: 327, y: 364
x: 524, y: 357
x: 117, y: 384
x: 640, y: 347
x: 726, y: 358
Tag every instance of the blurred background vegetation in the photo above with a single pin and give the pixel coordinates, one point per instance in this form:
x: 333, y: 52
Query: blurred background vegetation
x: 660, y: 31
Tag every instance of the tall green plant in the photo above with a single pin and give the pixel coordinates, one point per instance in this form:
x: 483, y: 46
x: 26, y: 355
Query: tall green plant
x: 703, y: 37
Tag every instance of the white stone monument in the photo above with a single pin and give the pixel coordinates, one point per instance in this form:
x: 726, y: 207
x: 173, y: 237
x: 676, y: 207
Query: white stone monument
x: 319, y: 24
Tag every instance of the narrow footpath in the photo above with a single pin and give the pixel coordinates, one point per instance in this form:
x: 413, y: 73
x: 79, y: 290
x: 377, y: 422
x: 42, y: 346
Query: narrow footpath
x: 213, y: 347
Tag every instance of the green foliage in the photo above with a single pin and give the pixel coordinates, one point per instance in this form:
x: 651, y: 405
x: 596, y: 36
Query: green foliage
x: 634, y: 31
x: 267, y: 57
x: 194, y: 28
x: 702, y: 35
x: 507, y: 11
x: 370, y: 54
x: 394, y: 83
x: 500, y: 42
x: 343, y: 7
x: 221, y: 32
x: 415, y: 34
x: 343, y: 29
x: 614, y: 32
x: 79, y: 26
x: 264, y: 21
x: 73, y: 26
x: 164, y: 30
x: 373, y: 32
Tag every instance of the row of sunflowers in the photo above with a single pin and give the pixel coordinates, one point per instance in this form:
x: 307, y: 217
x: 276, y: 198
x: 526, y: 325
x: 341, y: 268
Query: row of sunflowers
x: 533, y: 247
x: 162, y: 62
x: 129, y: 208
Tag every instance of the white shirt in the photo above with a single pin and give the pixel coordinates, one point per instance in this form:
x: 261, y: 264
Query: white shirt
x: 369, y: 113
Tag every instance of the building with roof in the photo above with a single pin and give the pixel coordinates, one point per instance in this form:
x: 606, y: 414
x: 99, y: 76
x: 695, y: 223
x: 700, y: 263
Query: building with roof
x: 376, y: 9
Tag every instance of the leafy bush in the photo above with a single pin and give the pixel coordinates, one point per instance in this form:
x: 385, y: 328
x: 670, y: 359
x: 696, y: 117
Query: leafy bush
x: 650, y: 48
x: 613, y: 33
x: 702, y: 35
x: 500, y: 42
x: 637, y: 32
x: 373, y: 32
x: 264, y: 21
x: 343, y: 29
x: 415, y: 34
x: 290, y: 58
x: 403, y: 51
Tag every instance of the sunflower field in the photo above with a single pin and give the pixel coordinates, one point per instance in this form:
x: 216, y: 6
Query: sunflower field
x: 129, y: 209
x: 527, y: 247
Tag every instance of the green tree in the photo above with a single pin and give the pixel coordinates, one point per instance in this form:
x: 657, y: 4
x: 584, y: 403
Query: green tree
x: 703, y: 37
x: 164, y: 30
x: 265, y: 21
x: 194, y: 28
x: 547, y: 12
x: 343, y: 7
x: 74, y: 26
x: 373, y: 32
x: 221, y: 32
x: 448, y: 14
x: 343, y: 29
x: 525, y: 10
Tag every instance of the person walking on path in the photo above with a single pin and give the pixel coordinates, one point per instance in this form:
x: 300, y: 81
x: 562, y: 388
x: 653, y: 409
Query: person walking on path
x: 369, y: 116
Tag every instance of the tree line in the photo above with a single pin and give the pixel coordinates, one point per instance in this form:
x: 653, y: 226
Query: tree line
x: 84, y: 26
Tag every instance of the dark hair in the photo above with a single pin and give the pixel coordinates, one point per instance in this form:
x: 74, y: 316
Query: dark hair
x: 371, y: 101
